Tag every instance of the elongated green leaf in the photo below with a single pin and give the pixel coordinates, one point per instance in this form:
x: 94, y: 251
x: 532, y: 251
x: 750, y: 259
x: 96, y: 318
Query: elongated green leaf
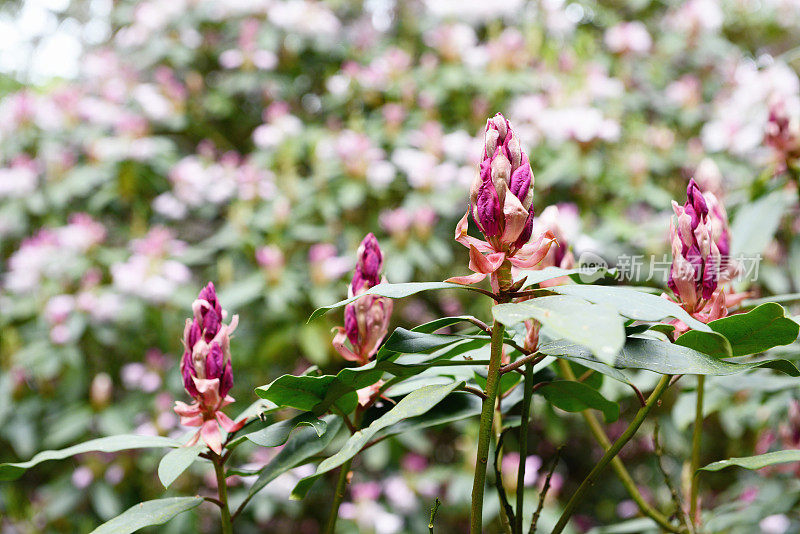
x: 409, y: 342
x: 757, y: 330
x: 415, y: 404
x: 392, y: 291
x: 310, y: 393
x: 755, y: 223
x: 594, y: 326
x: 148, y: 513
x: 437, y: 324
x: 583, y: 274
x: 709, y: 343
x: 277, y: 433
x: 668, y: 358
x: 303, y: 445
x: 576, y: 396
x: 177, y: 461
x: 664, y: 358
x: 632, y: 303
x: 756, y: 462
x: 12, y: 471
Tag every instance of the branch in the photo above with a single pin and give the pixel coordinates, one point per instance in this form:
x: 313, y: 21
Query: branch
x: 543, y: 493
x: 534, y: 358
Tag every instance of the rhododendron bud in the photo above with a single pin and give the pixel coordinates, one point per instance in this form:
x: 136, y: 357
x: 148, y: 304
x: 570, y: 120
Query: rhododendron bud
x: 696, y: 256
x: 206, y: 369
x: 366, y: 321
x: 501, y: 204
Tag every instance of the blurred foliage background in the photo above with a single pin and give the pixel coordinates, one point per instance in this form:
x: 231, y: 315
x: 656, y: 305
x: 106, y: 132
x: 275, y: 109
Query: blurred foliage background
x: 148, y: 147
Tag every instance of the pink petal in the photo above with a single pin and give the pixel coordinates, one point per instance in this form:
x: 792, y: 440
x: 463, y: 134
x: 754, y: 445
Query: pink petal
x: 515, y: 218
x: 186, y: 410
x: 338, y: 344
x: 466, y: 280
x: 531, y: 254
x: 211, y: 435
x: 485, y: 264
x: 196, y: 420
x: 194, y: 439
x: 227, y: 423
x: 467, y: 240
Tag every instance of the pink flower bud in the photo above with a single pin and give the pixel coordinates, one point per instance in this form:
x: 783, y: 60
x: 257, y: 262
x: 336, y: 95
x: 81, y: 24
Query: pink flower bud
x: 366, y: 321
x: 696, y: 265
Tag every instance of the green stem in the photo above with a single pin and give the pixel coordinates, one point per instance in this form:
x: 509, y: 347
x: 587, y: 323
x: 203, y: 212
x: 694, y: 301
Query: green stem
x: 611, y: 453
x: 696, y: 434
x: 485, y: 431
x: 523, y: 444
x: 616, y: 464
x: 222, y: 489
x: 338, y: 497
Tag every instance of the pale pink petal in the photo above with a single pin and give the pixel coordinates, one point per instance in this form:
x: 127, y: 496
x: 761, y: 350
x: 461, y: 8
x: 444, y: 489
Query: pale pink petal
x: 485, y: 264
x: 227, y: 423
x: 194, y: 439
x: 195, y: 420
x: 515, y: 218
x: 466, y: 280
x: 339, y: 344
x: 211, y: 435
x: 467, y: 240
x: 531, y: 254
x: 186, y: 410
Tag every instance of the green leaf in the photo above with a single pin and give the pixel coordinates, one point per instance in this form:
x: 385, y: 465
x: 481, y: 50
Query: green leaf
x: 392, y: 291
x: 409, y: 342
x: 310, y: 393
x: 756, y: 462
x: 757, y: 330
x: 632, y: 303
x: 12, y: 471
x: 667, y: 358
x: 148, y: 513
x: 415, y: 404
x: 574, y: 396
x: 755, y: 223
x: 583, y: 274
x: 710, y: 343
x: 303, y: 445
x: 277, y: 433
x: 177, y: 461
x: 436, y: 324
x: 664, y: 358
x: 594, y: 326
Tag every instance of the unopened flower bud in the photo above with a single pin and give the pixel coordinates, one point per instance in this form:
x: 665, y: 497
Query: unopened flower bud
x: 696, y: 264
x: 366, y: 321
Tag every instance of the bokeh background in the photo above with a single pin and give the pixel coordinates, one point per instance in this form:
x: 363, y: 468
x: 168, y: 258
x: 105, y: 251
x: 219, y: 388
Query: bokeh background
x: 148, y: 147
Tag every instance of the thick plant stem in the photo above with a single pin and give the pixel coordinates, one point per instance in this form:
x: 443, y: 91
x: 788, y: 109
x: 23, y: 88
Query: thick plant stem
x: 338, y: 497
x: 696, y: 434
x: 485, y: 432
x: 523, y: 444
x: 222, y: 489
x: 616, y: 464
x: 611, y: 453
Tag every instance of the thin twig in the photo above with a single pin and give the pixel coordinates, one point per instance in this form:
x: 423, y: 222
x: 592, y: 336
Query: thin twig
x: 513, y: 344
x: 585, y: 375
x: 213, y: 500
x: 498, y: 480
x: 480, y: 324
x: 533, y: 358
x: 543, y: 493
x: 435, y: 508
x: 676, y: 500
x: 474, y: 391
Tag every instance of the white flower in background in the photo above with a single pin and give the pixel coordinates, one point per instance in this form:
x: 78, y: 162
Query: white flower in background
x: 628, y: 38
x: 151, y: 272
x: 741, y: 113
x: 18, y: 179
